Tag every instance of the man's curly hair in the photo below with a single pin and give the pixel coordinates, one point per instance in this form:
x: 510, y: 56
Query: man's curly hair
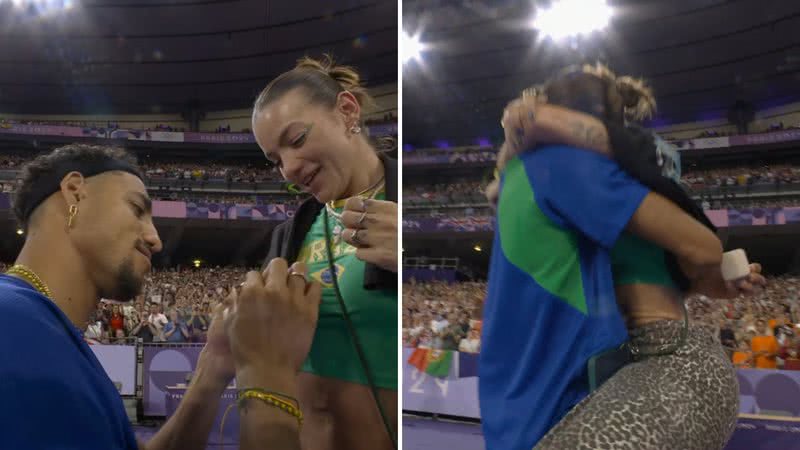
x: 44, y: 167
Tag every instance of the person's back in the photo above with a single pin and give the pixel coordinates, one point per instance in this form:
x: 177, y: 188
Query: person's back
x: 50, y: 380
x: 551, y: 302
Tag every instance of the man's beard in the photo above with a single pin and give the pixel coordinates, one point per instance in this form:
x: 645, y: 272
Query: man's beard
x: 126, y: 285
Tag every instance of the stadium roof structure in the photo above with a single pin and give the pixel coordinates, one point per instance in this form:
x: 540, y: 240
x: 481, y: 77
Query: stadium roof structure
x: 171, y: 56
x: 700, y: 56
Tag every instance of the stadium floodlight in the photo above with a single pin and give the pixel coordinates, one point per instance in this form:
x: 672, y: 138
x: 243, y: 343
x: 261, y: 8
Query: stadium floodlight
x: 42, y: 6
x: 411, y: 47
x: 477, y: 248
x: 568, y: 18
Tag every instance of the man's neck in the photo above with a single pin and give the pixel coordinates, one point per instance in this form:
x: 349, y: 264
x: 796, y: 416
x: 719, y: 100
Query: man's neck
x: 73, y: 291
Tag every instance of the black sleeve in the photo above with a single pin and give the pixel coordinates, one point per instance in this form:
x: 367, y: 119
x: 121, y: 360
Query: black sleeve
x: 276, y: 244
x: 634, y: 149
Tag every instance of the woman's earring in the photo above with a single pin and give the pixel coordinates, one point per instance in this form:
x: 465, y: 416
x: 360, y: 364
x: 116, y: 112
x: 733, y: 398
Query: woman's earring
x: 355, y: 129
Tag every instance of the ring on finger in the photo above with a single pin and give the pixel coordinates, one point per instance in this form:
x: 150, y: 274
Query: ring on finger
x: 298, y: 274
x: 355, y: 238
x: 361, y: 219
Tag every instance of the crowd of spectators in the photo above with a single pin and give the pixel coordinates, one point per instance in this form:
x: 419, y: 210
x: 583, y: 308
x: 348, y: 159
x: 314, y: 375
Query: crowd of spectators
x: 386, y: 118
x: 175, y: 306
x: 758, y: 332
x: 782, y: 174
x: 772, y: 127
x: 443, y: 316
x: 92, y: 125
x: 220, y: 197
x: 761, y: 331
x: 109, y: 125
x: 710, y: 186
x: 454, y: 192
x: 156, y: 169
x: 249, y: 172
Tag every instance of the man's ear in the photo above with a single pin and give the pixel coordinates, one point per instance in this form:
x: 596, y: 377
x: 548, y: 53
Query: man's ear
x: 73, y: 188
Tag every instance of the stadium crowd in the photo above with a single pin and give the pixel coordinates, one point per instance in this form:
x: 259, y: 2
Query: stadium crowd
x: 758, y: 332
x: 108, y: 125
x: 156, y: 169
x: 175, y: 306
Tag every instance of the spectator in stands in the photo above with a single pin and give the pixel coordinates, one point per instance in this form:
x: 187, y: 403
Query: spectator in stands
x: 471, y: 343
x: 726, y: 335
x: 452, y: 333
x: 116, y: 325
x: 132, y: 317
x: 789, y: 354
x: 158, y: 320
x: 94, y: 331
x: 308, y: 123
x: 764, y: 346
x: 145, y: 330
x: 198, y: 324
x: 175, y: 330
x: 743, y: 357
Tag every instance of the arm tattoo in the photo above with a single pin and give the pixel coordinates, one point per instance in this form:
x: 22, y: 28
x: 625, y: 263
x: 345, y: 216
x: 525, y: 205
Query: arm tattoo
x: 589, y: 135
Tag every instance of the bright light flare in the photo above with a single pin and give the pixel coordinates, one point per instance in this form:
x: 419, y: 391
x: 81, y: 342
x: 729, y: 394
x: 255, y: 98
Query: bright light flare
x: 42, y: 6
x: 411, y: 47
x: 569, y: 18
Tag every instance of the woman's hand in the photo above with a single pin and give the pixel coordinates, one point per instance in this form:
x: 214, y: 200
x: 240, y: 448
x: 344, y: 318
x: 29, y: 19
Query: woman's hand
x: 748, y: 284
x: 371, y: 227
x: 271, y: 325
x: 518, y: 122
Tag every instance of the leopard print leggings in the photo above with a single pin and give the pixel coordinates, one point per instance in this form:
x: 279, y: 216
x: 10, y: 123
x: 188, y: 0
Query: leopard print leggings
x: 686, y: 400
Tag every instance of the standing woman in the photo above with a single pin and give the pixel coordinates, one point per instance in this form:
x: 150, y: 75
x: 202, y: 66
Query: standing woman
x: 308, y: 123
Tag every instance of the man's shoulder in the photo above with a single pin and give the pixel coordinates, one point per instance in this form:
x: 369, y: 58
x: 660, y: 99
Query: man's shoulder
x: 23, y: 306
x: 564, y: 156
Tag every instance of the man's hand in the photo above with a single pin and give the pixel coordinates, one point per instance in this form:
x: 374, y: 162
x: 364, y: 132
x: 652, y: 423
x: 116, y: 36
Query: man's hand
x: 216, y: 354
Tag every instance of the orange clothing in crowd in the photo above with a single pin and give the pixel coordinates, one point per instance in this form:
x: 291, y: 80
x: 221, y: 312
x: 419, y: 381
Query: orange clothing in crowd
x: 772, y: 323
x: 765, y: 344
x: 739, y: 358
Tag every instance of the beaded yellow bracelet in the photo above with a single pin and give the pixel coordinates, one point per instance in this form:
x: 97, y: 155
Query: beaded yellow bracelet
x: 273, y: 399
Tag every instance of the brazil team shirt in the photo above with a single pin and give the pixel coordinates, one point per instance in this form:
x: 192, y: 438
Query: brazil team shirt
x: 550, y: 304
x: 54, y: 394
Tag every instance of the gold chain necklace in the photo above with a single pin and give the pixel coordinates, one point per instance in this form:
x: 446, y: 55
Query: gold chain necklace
x: 375, y: 188
x: 30, y: 276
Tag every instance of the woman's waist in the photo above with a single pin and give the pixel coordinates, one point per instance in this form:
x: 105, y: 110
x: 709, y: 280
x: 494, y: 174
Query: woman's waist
x: 643, y: 303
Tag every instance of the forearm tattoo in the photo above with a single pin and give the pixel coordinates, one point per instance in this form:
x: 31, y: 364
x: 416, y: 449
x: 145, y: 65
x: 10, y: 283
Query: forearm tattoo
x: 590, y: 136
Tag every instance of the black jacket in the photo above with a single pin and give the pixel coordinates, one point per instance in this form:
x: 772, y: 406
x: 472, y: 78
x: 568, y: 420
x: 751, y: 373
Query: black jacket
x: 287, y: 238
x: 634, y: 150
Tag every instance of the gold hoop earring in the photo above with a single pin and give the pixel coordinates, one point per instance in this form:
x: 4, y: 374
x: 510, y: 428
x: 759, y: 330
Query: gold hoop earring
x: 73, y: 211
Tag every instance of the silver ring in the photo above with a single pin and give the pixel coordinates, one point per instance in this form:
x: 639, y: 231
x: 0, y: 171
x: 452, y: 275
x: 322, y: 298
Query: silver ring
x: 361, y: 219
x: 355, y: 238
